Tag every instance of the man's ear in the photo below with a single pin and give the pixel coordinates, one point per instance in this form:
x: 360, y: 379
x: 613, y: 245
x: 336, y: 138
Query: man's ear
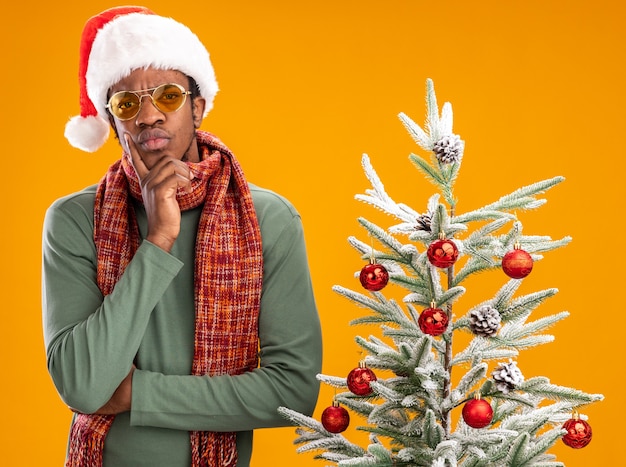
x: 197, y: 109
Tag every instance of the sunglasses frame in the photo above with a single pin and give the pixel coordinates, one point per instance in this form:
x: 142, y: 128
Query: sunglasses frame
x: 148, y: 92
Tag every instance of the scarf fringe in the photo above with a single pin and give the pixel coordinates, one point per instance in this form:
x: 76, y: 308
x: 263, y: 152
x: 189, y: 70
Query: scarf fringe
x: 213, y: 449
x: 87, y: 440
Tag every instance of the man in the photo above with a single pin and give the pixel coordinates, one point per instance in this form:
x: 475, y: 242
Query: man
x: 178, y: 308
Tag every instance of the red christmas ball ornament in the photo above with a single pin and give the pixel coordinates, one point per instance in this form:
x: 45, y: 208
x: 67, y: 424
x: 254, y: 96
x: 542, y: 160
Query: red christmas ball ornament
x: 335, y: 418
x: 433, y: 321
x: 374, y: 277
x: 442, y: 253
x: 359, y: 380
x: 517, y: 263
x: 578, y: 433
x: 477, y: 413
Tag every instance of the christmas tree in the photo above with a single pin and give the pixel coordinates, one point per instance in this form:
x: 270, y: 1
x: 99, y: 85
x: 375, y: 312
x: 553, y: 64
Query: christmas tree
x: 505, y: 419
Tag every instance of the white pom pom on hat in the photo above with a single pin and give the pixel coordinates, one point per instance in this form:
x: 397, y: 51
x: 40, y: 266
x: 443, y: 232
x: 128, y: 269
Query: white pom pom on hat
x: 120, y: 40
x: 87, y: 133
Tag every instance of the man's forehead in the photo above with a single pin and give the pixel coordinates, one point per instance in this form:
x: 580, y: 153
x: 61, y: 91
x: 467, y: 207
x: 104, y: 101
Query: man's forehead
x: 147, y: 78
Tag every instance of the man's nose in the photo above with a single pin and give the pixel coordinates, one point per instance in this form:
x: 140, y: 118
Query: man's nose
x: 148, y: 113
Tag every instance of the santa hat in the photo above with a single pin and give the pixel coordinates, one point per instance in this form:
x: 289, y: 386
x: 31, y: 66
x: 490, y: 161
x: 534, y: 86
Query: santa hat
x: 119, y: 41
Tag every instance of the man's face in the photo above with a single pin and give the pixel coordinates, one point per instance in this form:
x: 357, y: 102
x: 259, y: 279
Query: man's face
x: 156, y: 133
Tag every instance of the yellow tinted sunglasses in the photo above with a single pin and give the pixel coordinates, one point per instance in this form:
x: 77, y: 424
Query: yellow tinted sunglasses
x: 167, y: 98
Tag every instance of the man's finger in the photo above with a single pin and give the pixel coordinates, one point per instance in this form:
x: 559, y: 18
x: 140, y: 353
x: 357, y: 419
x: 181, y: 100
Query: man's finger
x: 135, y: 158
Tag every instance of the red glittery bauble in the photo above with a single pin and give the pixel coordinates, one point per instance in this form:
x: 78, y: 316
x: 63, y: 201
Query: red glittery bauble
x: 433, y: 321
x: 359, y: 380
x: 374, y: 277
x: 335, y: 418
x: 477, y: 413
x: 578, y: 433
x: 517, y: 264
x: 442, y: 253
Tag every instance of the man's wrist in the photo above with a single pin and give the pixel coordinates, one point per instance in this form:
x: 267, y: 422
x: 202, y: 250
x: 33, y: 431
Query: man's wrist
x: 162, y: 242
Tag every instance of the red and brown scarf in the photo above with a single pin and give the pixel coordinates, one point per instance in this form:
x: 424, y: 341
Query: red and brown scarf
x: 228, y: 281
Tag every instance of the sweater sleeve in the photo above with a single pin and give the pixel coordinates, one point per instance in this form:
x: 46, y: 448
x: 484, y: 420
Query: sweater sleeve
x: 290, y: 354
x: 91, y: 340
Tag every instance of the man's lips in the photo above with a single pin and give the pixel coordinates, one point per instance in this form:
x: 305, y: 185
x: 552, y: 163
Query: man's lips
x: 153, y: 140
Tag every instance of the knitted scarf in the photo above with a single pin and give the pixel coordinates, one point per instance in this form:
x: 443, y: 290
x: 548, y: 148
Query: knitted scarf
x: 228, y: 279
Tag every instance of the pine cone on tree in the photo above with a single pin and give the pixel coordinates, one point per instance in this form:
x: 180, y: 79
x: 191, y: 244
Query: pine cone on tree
x: 507, y: 376
x: 449, y: 149
x: 423, y: 222
x: 485, y: 321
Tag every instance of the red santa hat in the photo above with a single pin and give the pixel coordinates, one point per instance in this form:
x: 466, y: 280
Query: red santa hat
x: 120, y: 40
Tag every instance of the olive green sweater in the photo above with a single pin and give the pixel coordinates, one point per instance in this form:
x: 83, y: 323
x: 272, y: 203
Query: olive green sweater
x: 91, y: 341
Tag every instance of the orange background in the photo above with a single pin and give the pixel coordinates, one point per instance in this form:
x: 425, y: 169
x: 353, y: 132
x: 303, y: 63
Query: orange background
x: 306, y: 88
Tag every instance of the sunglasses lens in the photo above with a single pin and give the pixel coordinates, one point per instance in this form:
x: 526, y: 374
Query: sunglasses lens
x: 169, y: 97
x: 124, y: 105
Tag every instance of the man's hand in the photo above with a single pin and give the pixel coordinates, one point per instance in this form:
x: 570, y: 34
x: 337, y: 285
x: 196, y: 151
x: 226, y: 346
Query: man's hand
x: 158, y: 189
x: 121, y: 399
